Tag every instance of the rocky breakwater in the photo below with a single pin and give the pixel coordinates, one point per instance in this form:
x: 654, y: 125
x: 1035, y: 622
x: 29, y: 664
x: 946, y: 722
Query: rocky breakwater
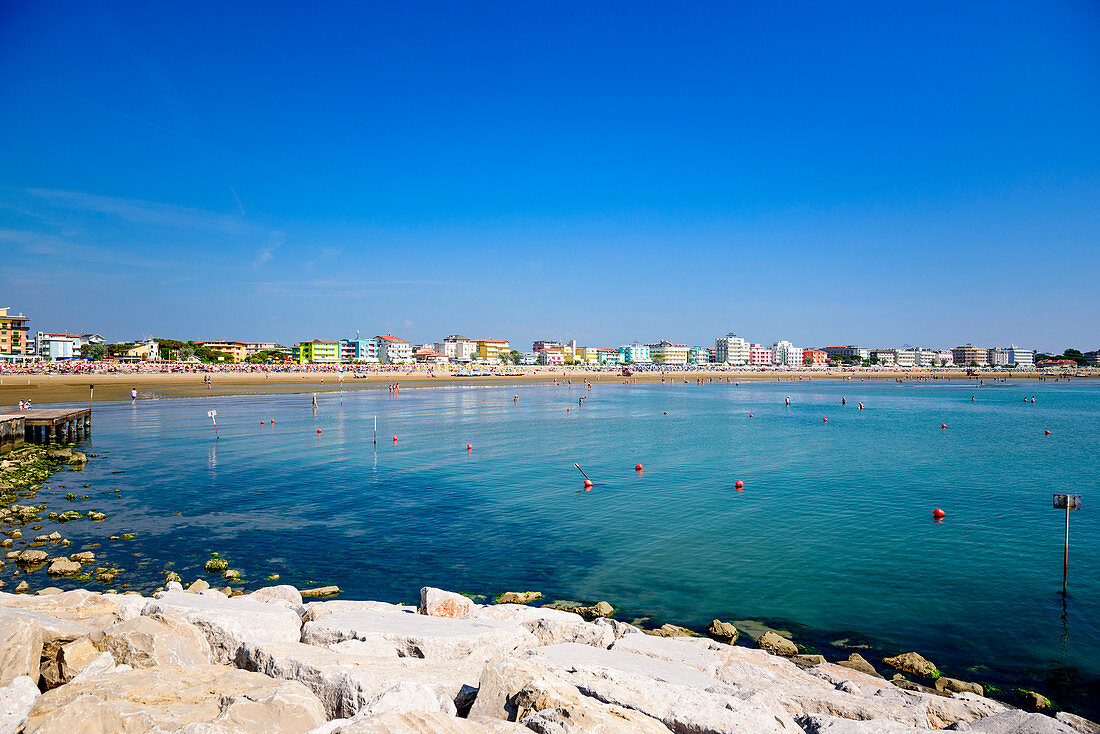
x: 270, y: 662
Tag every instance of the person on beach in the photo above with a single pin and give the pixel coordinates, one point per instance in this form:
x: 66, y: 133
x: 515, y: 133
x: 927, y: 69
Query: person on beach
x: 315, y: 401
x: 133, y: 396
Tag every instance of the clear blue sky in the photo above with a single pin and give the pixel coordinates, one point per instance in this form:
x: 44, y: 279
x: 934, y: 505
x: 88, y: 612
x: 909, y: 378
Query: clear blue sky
x: 876, y: 173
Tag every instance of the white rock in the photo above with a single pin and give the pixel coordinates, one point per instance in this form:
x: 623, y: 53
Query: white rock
x: 227, y: 623
x: 206, y: 699
x: 152, y: 641
x: 20, y: 646
x: 408, y: 696
x: 79, y: 606
x: 439, y: 603
x: 315, y: 610
x: 415, y: 635
x: 824, y: 724
x: 286, y: 595
x: 173, y: 586
x: 549, y: 626
x: 101, y: 665
x: 1020, y: 722
x: 16, y: 700
x: 345, y: 681
x: 423, y: 723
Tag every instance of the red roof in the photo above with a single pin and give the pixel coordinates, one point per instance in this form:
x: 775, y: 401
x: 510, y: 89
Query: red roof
x: 491, y: 341
x: 391, y: 339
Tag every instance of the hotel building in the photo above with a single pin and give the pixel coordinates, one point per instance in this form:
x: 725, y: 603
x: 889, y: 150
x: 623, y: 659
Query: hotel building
x: 783, y: 352
x: 848, y: 350
x: 814, y: 357
x: 731, y: 349
x: 13, y: 337
x: 393, y: 350
x: 492, y: 350
x: 699, y: 355
x: 317, y: 351
x: 55, y: 347
x: 665, y: 352
x: 634, y: 354
x: 760, y: 355
x: 237, y: 351
x: 1020, y: 357
x: 363, y: 351
x: 968, y: 354
x: 458, y: 348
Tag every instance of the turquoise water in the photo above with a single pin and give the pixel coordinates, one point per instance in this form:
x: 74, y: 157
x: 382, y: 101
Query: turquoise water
x: 832, y: 535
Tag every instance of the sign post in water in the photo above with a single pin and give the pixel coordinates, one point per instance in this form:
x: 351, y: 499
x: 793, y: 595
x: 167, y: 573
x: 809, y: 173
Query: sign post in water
x: 1069, y: 502
x: 213, y: 416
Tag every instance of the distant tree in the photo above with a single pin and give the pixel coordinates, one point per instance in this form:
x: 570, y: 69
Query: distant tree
x: 972, y: 364
x: 185, y: 353
x: 94, y: 352
x: 873, y: 360
x: 516, y: 356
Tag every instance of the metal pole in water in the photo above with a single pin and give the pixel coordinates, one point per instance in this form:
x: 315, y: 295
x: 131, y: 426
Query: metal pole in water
x: 1065, y: 558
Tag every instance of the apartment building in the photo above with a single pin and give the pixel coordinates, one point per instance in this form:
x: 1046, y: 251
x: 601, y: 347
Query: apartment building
x: 393, y: 350
x: 785, y: 353
x: 492, y: 350
x: 814, y: 357
x: 759, y: 355
x: 458, y: 348
x: 968, y: 354
x: 665, y: 352
x: 237, y: 351
x: 731, y: 349
x: 13, y: 337
x: 317, y: 351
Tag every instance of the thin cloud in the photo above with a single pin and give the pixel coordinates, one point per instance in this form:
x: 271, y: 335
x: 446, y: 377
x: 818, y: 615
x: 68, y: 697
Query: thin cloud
x: 37, y: 243
x: 147, y: 212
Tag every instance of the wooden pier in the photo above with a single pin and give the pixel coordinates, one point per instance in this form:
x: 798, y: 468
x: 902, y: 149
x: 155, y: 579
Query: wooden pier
x: 44, y: 425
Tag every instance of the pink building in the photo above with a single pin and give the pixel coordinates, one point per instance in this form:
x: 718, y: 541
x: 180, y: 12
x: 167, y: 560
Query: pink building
x: 814, y: 357
x: 760, y: 355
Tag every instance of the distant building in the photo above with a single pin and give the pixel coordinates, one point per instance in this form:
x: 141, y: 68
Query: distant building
x: 760, y: 355
x: 885, y: 357
x: 90, y: 339
x: 317, y: 351
x: 848, y: 350
x: 492, y: 350
x: 426, y: 355
x: 13, y: 337
x: 1093, y: 357
x: 783, y: 352
x: 634, y: 354
x: 551, y: 356
x: 56, y: 347
x: 699, y: 356
x: 393, y: 350
x: 1020, y: 357
x: 251, y: 348
x: 546, y: 344
x: 944, y: 356
x: 457, y: 348
x: 144, y: 351
x: 731, y: 349
x: 360, y: 351
x: 237, y: 351
x: 968, y: 354
x: 529, y: 358
x: 814, y: 357
x: 667, y: 353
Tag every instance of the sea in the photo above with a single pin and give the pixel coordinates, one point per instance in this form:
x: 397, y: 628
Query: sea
x: 830, y: 538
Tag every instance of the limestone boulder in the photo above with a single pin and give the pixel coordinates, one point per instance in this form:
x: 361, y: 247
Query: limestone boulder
x: 228, y: 623
x: 152, y: 641
x: 518, y: 597
x: 347, y: 679
x: 776, y: 644
x: 20, y: 647
x: 421, y: 636
x: 1079, y: 724
x: 63, y: 567
x: 285, y: 595
x: 825, y: 724
x: 73, y: 657
x: 206, y: 698
x: 439, y: 603
x: 549, y: 626
x: 670, y: 630
x: 954, y: 685
x: 1020, y: 722
x: 913, y: 663
x: 16, y: 700
x: 856, y: 661
x: 314, y: 610
x: 82, y: 607
x: 423, y: 723
x: 723, y: 631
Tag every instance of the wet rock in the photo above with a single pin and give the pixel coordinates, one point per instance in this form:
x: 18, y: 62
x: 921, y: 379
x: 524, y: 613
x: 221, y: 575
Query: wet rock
x: 63, y: 567
x: 16, y: 700
x: 776, y: 644
x: 954, y: 685
x: 173, y: 586
x: 856, y: 661
x: 807, y: 661
x: 227, y: 623
x: 321, y: 591
x: 198, y: 585
x: 599, y: 609
x: 31, y: 556
x: 22, y: 587
x: 914, y: 664
x: 723, y: 632
x: 421, y: 636
x: 518, y: 597
x: 231, y: 574
x: 216, y: 565
x: 439, y: 603
x: 175, y: 699
x: 1035, y: 701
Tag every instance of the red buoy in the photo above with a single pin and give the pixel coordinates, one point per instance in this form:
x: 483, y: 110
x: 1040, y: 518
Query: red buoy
x: 938, y: 513
x: 637, y: 467
x: 666, y: 412
x: 318, y: 430
x: 469, y: 447
x: 943, y: 425
x: 261, y: 423
x: 588, y: 482
x: 395, y: 439
x: 738, y: 484
x: 1046, y: 433
x: 273, y: 421
x: 750, y: 415
x: 567, y: 410
x: 825, y: 420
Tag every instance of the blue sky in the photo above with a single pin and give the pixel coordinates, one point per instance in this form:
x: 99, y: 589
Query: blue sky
x: 875, y: 173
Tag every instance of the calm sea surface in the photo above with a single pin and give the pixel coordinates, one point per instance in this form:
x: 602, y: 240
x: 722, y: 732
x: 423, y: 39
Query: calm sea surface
x: 832, y: 536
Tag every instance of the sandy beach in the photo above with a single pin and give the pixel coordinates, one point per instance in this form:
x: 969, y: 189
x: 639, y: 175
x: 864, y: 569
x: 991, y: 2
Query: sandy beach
x: 43, y: 388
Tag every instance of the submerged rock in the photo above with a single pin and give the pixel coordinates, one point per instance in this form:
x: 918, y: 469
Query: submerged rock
x: 914, y: 664
x: 723, y: 631
x: 776, y: 644
x: 63, y: 567
x: 320, y: 591
x: 518, y: 597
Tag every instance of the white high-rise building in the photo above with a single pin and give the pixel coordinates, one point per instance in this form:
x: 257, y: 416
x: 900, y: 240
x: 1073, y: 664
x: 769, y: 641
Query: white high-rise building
x: 1021, y: 357
x: 458, y: 348
x: 731, y: 349
x: 786, y: 353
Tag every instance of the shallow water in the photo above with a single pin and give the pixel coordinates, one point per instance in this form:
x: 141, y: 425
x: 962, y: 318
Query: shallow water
x: 833, y: 529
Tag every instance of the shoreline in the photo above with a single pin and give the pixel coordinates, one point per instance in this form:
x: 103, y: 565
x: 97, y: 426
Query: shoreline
x: 43, y: 388
x: 806, y: 645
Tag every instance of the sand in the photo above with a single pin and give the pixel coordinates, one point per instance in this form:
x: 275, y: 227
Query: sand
x: 43, y: 389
